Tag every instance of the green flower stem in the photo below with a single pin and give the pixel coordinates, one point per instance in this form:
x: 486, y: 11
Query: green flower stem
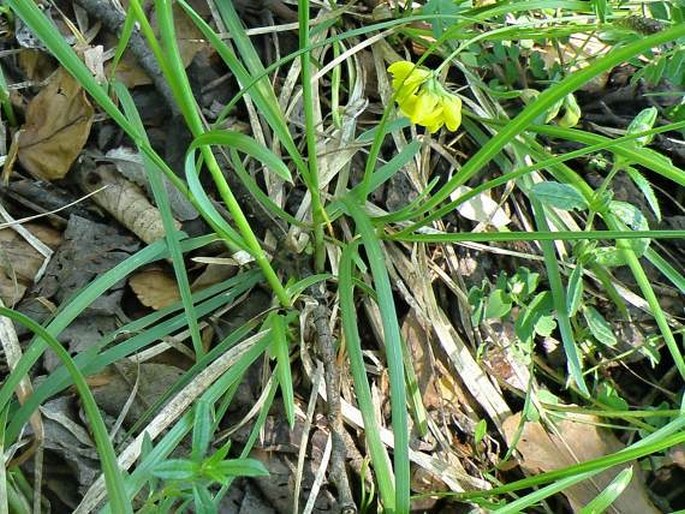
x: 318, y: 215
x: 173, y: 67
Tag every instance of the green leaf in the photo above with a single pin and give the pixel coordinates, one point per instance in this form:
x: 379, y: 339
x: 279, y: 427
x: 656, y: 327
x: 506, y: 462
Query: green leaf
x: 541, y: 306
x: 571, y: 112
x: 643, y: 122
x: 477, y: 303
x: 629, y: 214
x: 523, y: 283
x: 545, y: 325
x: 177, y: 469
x: 241, y: 468
x: 280, y: 349
x: 247, y: 145
x: 498, y: 305
x: 610, y: 493
x: 202, y: 429
x: 646, y: 189
x: 203, y: 500
x: 440, y: 23
x: 608, y: 395
x: 599, y: 327
x: 574, y: 294
x: 560, y: 196
x: 480, y: 431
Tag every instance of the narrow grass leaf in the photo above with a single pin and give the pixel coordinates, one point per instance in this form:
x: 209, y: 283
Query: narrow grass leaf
x: 350, y: 327
x: 393, y: 352
x: 280, y: 349
x: 574, y: 363
x: 113, y: 475
x: 610, y: 493
x: 202, y: 430
x: 171, y: 234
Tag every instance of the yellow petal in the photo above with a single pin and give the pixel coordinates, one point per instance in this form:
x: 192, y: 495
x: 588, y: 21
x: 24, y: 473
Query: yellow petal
x: 407, y: 78
x: 434, y: 126
x: 408, y: 106
x: 427, y: 107
x: 451, y: 111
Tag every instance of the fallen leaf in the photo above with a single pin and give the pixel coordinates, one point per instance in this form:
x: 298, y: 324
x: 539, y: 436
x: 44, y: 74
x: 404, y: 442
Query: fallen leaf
x: 58, y: 121
x: 19, y: 261
x: 123, y: 199
x: 155, y: 288
x: 118, y: 381
x: 581, y: 440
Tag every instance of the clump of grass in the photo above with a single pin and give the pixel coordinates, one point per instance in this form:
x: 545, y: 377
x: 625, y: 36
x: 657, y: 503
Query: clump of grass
x: 360, y: 255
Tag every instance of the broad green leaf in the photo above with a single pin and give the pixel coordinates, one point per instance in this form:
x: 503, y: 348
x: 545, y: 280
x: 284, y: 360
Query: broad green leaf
x: 541, y: 306
x: 629, y: 214
x: 560, y: 196
x: 498, y: 305
x: 599, y: 327
x: 641, y: 123
x: 480, y: 431
x: 477, y: 303
x: 571, y: 112
x: 545, y: 325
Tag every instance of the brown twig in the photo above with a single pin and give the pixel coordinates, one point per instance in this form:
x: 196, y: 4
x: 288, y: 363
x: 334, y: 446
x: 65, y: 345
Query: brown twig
x: 326, y: 342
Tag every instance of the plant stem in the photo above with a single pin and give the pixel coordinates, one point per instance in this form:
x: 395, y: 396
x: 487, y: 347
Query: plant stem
x: 318, y: 215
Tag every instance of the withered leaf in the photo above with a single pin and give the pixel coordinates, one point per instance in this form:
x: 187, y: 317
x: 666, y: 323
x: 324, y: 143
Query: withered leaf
x: 58, y: 121
x: 155, y: 288
x: 581, y: 440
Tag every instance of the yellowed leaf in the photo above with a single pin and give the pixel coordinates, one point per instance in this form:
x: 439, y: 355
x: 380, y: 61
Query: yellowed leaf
x: 58, y: 121
x: 580, y: 439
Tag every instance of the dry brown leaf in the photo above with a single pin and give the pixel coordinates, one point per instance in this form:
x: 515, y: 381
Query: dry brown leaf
x: 438, y: 389
x: 58, y: 121
x: 19, y: 261
x: 118, y: 381
x: 122, y: 199
x: 155, y: 288
x: 583, y: 440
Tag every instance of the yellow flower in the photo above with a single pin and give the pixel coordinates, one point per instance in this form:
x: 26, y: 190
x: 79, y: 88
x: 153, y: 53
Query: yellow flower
x: 407, y: 79
x: 423, y: 99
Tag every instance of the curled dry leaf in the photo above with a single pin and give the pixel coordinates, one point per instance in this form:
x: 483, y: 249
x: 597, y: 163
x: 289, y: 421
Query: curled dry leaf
x: 581, y: 439
x: 19, y: 261
x: 58, y: 121
x: 122, y: 199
